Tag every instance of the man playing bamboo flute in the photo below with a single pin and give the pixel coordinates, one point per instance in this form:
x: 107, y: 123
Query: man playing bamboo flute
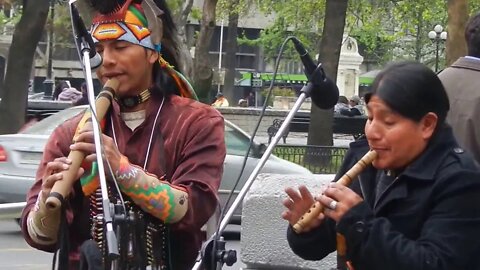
x: 165, y: 149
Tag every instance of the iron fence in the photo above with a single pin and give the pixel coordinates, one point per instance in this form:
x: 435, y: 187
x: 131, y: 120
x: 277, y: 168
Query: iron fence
x: 318, y: 159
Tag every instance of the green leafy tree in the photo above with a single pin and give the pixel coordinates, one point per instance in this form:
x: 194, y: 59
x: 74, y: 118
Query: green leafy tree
x: 62, y: 26
x: 366, y: 23
x: 413, y: 22
x: 302, y: 18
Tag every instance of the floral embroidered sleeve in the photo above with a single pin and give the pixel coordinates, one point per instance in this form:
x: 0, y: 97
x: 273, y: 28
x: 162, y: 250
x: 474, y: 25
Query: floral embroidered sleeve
x: 157, y: 197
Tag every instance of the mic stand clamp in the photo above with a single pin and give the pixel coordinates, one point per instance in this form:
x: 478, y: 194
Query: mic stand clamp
x: 214, y: 259
x: 316, y: 78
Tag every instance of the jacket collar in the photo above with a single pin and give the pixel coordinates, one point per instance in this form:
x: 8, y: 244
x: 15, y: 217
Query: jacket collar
x: 366, y: 179
x: 424, y: 168
x: 467, y: 63
x: 427, y: 164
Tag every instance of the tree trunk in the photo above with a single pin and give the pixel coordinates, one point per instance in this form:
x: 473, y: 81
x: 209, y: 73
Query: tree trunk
x: 419, y: 37
x: 321, y: 130
x: 457, y: 20
x: 231, y: 55
x: 203, y: 73
x: 186, y: 60
x: 26, y: 36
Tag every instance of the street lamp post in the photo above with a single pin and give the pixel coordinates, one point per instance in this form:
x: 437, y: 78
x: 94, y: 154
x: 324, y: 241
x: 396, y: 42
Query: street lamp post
x: 48, y: 83
x: 437, y: 35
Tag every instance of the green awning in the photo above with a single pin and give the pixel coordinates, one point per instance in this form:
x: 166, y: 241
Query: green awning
x: 368, y: 77
x: 285, y: 78
x: 366, y: 80
x: 281, y: 77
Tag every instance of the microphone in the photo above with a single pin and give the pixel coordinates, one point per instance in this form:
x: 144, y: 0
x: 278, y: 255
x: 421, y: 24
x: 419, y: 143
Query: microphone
x: 82, y: 36
x: 323, y: 91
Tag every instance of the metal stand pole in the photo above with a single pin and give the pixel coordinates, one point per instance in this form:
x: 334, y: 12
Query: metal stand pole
x: 84, y: 47
x: 48, y: 83
x: 107, y: 206
x: 437, y: 41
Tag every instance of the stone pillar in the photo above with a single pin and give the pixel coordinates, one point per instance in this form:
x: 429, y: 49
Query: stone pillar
x: 348, y: 76
x: 263, y: 238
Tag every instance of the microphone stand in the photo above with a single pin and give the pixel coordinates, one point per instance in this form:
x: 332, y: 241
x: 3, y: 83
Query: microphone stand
x: 111, y: 238
x: 221, y: 256
x: 84, y: 49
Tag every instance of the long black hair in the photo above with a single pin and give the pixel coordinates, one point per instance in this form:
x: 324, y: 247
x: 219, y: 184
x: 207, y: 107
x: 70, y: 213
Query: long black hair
x: 412, y: 90
x: 162, y: 79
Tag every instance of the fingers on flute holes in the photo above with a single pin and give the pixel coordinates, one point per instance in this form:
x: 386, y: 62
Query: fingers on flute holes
x: 62, y: 160
x: 288, y: 203
x: 332, y: 205
x: 50, y: 180
x: 286, y: 215
x: 91, y: 158
x: 293, y: 194
x: 328, y: 203
x: 55, y: 166
x: 332, y: 192
x: 45, y: 182
x: 338, y: 186
x: 305, y: 193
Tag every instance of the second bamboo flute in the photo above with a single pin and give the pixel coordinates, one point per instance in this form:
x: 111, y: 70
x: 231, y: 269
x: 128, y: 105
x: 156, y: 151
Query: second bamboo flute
x: 61, y: 189
x: 345, y: 180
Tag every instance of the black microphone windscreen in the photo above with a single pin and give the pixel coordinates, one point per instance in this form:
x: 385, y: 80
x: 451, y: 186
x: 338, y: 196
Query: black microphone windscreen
x: 325, y: 94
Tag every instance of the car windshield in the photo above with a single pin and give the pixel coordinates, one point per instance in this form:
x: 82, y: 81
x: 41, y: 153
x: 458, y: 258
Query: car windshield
x: 47, y: 125
x: 236, y: 142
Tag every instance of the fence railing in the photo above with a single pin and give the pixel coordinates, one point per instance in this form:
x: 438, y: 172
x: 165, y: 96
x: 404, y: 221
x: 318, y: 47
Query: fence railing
x: 318, y: 159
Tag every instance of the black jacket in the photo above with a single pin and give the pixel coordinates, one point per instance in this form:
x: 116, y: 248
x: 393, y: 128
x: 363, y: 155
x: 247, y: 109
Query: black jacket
x: 429, y: 218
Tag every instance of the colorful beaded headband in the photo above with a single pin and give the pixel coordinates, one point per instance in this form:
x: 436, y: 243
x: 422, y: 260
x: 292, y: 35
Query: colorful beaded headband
x: 130, y: 23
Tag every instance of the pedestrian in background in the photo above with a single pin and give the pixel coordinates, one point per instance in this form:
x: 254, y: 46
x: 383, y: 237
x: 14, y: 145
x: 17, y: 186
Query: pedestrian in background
x: 462, y: 83
x: 342, y: 104
x: 221, y: 101
x: 354, y: 107
x: 84, y: 99
x: 59, y: 86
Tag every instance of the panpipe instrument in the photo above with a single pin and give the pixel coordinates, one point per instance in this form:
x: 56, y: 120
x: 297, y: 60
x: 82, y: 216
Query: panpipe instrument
x: 61, y: 189
x: 345, y: 180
